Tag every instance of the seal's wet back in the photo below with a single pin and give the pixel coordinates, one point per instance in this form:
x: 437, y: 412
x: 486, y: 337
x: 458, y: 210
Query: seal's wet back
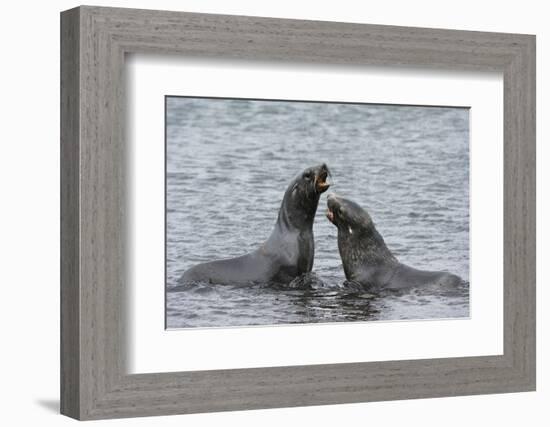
x: 287, y: 253
x: 367, y: 260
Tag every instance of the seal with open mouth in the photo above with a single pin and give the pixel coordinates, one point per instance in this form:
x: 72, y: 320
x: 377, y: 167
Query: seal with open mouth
x: 366, y: 259
x: 287, y: 253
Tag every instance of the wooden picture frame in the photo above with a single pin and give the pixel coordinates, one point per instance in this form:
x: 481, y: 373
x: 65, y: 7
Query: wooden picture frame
x: 94, y: 382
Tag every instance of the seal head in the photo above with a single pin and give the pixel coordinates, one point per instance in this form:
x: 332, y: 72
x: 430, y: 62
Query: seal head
x: 301, y: 197
x: 359, y: 242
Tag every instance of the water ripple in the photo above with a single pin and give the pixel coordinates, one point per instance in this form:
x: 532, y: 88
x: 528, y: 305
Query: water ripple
x: 229, y: 161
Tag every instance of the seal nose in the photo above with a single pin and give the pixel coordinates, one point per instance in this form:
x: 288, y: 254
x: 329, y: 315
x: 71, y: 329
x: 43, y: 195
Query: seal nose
x: 323, y: 171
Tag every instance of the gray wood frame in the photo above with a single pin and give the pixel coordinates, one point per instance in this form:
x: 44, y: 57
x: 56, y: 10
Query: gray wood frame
x: 94, y: 41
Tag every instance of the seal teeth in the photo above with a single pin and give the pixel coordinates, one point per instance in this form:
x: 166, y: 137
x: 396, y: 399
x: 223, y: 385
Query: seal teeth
x: 321, y: 182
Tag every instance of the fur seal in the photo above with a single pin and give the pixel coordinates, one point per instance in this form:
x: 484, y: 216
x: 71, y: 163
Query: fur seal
x: 287, y: 253
x: 367, y: 260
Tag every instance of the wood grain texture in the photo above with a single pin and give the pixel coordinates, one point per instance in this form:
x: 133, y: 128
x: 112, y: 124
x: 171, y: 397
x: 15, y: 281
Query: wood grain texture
x: 70, y: 221
x: 95, y: 40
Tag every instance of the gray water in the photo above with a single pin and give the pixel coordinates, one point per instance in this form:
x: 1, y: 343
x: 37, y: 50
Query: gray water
x: 230, y: 161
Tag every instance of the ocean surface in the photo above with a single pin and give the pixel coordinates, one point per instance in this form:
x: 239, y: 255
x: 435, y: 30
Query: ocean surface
x: 228, y: 163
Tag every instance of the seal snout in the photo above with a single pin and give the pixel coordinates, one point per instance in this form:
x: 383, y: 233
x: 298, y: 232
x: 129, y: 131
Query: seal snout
x: 332, y: 206
x: 321, y: 183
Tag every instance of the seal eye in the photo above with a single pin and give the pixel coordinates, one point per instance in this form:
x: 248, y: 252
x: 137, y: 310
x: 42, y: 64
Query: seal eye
x: 308, y: 175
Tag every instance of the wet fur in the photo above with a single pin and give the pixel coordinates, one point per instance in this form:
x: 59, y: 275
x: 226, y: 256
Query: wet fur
x: 285, y: 255
x: 367, y: 260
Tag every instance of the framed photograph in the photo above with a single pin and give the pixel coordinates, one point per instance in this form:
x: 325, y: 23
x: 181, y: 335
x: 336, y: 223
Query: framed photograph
x: 261, y: 213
